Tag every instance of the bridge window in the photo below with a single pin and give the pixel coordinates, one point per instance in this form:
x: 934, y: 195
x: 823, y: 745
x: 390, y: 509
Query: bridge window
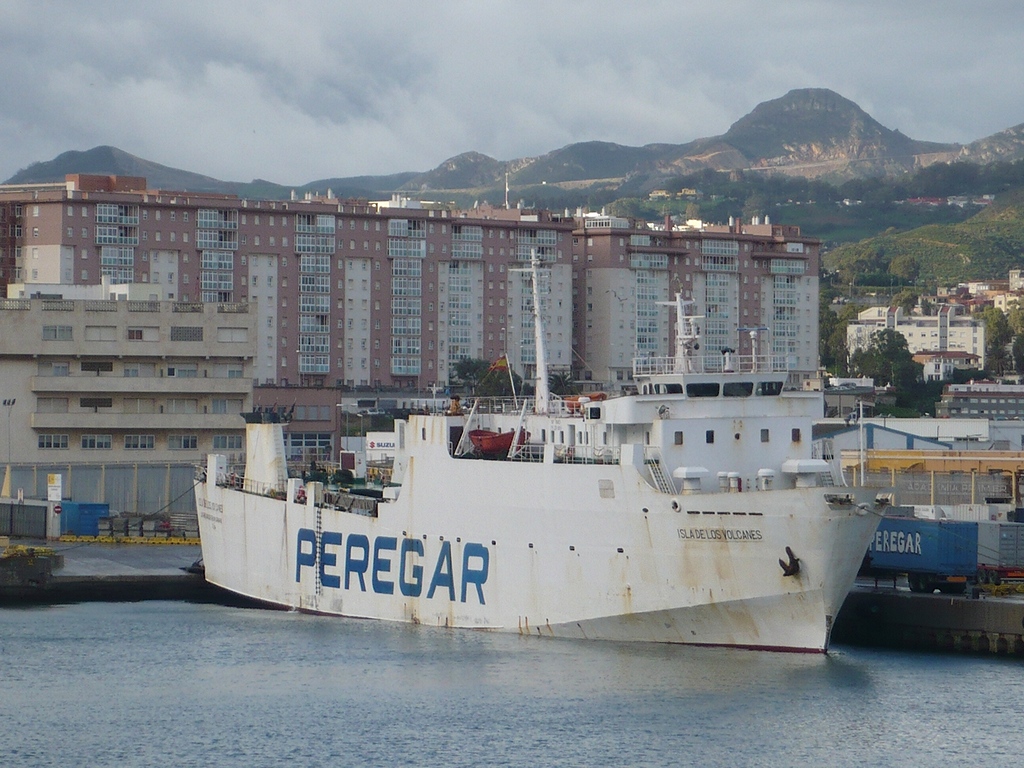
x: 769, y: 388
x: 738, y: 388
x: 702, y: 389
x: 709, y: 436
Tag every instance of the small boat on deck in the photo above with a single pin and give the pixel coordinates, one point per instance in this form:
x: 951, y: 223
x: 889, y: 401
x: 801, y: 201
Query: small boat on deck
x: 489, y: 442
x: 575, y: 402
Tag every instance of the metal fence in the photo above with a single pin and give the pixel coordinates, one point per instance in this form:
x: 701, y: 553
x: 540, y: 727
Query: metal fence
x: 23, y: 520
x: 129, y: 489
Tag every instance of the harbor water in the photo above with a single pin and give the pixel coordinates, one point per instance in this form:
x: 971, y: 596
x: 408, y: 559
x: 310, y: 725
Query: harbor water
x: 174, y: 683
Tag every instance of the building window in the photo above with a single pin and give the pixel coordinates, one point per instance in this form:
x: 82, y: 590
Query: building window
x: 97, y: 366
x: 182, y: 442
x: 96, y: 402
x: 52, y: 405
x: 227, y: 442
x: 183, y: 371
x: 139, y: 442
x: 56, y: 333
x: 96, y: 442
x: 53, y: 442
x: 226, y: 405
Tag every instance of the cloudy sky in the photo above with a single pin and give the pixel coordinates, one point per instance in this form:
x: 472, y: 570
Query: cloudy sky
x: 293, y: 91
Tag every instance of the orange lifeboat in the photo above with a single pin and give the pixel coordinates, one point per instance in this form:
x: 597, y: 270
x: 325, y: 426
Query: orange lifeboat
x: 491, y: 443
x: 574, y: 402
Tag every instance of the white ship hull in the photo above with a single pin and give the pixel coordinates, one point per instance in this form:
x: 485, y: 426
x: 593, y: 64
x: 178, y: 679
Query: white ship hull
x: 566, y: 550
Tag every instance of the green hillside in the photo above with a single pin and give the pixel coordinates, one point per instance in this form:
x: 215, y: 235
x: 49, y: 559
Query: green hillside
x: 985, y: 246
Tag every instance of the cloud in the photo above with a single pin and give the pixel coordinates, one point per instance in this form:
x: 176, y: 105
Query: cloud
x: 298, y: 91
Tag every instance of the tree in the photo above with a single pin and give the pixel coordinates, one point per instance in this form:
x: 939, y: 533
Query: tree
x: 756, y: 205
x: 998, y: 335
x: 496, y: 383
x: 906, y: 300
x: 469, y: 371
x: 831, y: 338
x: 561, y: 383
x: 887, y: 360
x: 1015, y: 317
x: 999, y: 361
x: 1017, y: 352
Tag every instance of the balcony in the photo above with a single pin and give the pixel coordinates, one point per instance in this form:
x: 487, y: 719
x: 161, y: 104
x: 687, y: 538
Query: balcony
x: 114, y: 385
x: 106, y: 421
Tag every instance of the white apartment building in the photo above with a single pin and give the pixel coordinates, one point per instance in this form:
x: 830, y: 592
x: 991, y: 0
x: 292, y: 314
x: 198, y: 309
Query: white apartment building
x: 947, y: 330
x: 105, y: 381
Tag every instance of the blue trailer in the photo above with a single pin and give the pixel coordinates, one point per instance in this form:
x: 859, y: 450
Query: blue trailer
x: 935, y: 554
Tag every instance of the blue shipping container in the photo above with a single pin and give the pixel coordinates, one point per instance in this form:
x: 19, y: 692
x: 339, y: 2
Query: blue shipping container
x: 82, y: 518
x: 934, y: 547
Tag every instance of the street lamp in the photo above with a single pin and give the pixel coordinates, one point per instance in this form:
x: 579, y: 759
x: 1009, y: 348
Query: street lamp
x: 9, y: 405
x: 344, y: 408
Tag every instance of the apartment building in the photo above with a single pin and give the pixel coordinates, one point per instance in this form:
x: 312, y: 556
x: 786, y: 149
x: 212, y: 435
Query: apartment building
x: 751, y: 283
x: 372, y: 296
x: 345, y: 293
x: 949, y: 330
x: 982, y: 399
x: 123, y: 380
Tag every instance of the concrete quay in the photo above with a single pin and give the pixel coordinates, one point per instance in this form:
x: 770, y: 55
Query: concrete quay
x: 894, y: 617
x: 98, y: 571
x: 875, y: 614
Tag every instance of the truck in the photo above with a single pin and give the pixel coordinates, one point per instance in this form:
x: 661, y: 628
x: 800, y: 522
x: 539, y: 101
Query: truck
x: 946, y: 554
x: 935, y: 554
x: 1000, y: 552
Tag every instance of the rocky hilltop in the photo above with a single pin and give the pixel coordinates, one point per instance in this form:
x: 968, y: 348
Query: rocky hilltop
x: 809, y: 132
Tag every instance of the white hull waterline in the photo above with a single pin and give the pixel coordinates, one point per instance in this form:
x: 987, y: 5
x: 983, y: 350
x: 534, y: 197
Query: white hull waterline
x: 691, y: 512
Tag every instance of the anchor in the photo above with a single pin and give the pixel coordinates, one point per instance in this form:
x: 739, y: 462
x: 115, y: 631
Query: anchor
x: 792, y: 568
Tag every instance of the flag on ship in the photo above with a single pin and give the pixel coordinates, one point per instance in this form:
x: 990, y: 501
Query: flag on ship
x: 501, y: 364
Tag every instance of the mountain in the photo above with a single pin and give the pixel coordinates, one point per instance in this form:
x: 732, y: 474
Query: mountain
x: 1005, y: 146
x: 809, y: 132
x: 815, y: 130
x: 113, y: 161
x: 989, y: 243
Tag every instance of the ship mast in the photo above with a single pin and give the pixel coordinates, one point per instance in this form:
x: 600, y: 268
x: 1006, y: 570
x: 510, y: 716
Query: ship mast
x: 687, y: 334
x: 542, y: 393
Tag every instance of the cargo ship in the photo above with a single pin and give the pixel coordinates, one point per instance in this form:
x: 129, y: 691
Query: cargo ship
x: 694, y: 511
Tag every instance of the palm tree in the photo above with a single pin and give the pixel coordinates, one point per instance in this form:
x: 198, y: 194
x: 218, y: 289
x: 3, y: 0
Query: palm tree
x: 561, y: 383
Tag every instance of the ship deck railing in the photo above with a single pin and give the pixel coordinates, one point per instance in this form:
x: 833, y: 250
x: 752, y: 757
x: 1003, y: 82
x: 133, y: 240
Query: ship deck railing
x: 350, y: 502
x: 586, y: 454
x: 238, y: 482
x: 712, y: 363
x: 514, y: 406
x: 568, y: 454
